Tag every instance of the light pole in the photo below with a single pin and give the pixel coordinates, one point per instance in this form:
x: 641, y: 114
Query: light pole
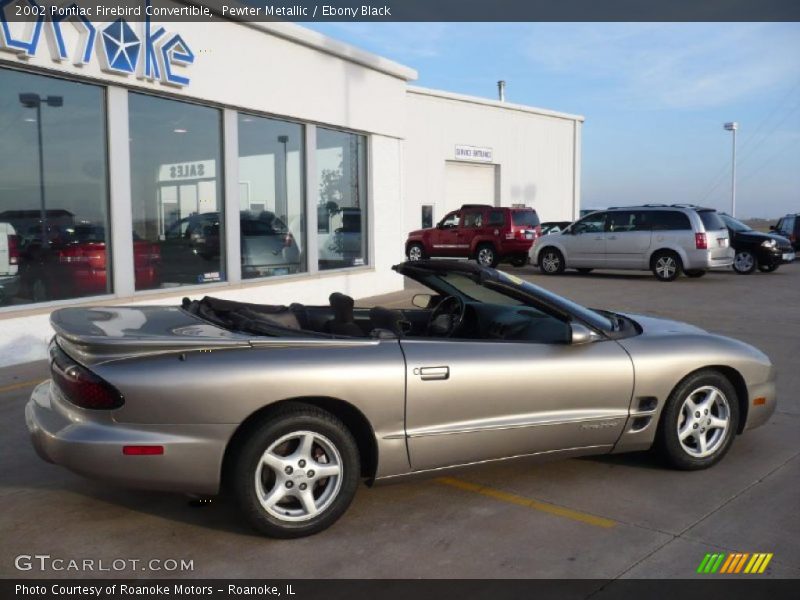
x: 733, y: 126
x: 29, y: 100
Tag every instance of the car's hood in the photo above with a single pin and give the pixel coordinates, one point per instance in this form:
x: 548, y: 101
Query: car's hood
x: 656, y: 326
x: 418, y: 232
x: 758, y: 236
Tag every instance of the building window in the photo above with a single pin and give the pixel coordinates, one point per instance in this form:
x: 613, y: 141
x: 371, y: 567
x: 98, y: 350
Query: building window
x: 427, y: 216
x: 176, y: 192
x: 53, y: 189
x: 342, y: 200
x: 271, y: 197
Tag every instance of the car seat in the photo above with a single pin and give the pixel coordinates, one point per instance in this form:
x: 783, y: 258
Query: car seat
x: 342, y: 322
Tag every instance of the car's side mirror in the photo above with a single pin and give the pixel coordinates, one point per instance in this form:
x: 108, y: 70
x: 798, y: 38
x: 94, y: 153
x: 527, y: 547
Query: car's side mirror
x: 440, y: 225
x: 581, y: 334
x: 773, y: 228
x: 422, y: 300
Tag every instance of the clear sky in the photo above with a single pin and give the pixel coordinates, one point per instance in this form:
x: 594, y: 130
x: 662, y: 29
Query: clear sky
x: 655, y: 97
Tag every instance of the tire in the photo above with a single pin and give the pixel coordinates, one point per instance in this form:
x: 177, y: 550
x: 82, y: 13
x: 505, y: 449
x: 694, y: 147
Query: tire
x: 269, y: 494
x: 744, y: 262
x: 551, y: 261
x: 584, y: 271
x: 666, y: 265
x: 486, y: 256
x: 519, y: 261
x: 39, y: 292
x: 678, y: 415
x: 768, y: 268
x: 415, y: 252
x: 695, y: 274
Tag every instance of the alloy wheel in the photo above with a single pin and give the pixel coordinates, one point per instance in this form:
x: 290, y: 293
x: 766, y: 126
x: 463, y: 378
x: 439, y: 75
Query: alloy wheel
x: 299, y: 476
x: 744, y: 262
x: 415, y: 253
x: 666, y: 266
x: 551, y: 262
x: 703, y: 421
x: 486, y: 257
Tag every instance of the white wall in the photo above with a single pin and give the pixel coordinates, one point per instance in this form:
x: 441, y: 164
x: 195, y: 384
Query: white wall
x: 534, y: 151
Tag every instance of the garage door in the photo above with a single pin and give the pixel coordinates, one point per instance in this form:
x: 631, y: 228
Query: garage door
x: 467, y: 183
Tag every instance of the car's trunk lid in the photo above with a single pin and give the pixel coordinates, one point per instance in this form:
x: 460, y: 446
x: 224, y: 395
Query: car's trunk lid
x: 93, y: 335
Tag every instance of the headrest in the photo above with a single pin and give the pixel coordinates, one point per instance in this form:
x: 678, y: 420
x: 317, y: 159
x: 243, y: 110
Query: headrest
x: 342, y: 306
x: 385, y: 318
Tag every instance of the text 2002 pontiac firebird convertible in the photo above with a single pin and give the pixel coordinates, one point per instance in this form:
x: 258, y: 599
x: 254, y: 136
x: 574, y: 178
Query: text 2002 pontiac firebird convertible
x: 291, y: 406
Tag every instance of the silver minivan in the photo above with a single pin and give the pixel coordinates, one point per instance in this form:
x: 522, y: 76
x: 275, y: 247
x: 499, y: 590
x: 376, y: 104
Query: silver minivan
x: 665, y: 239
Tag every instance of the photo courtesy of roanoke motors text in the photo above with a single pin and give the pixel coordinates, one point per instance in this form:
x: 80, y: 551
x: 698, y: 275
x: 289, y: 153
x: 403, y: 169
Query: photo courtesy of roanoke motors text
x: 417, y: 298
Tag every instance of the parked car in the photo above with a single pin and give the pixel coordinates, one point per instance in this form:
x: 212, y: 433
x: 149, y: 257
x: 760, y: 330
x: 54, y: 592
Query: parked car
x: 9, y: 262
x: 789, y: 227
x: 74, y: 263
x: 290, y: 407
x: 268, y: 247
x: 554, y: 226
x: 488, y: 234
x: 755, y: 249
x: 190, y: 250
x: 665, y: 239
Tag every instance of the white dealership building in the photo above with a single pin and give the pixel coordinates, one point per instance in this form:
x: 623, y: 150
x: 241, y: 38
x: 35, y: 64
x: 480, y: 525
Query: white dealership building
x: 141, y: 162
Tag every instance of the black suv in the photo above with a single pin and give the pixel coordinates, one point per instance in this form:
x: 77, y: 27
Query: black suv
x: 754, y: 249
x: 789, y: 227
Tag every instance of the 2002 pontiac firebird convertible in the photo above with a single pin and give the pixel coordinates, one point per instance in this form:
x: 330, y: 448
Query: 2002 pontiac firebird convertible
x: 289, y: 407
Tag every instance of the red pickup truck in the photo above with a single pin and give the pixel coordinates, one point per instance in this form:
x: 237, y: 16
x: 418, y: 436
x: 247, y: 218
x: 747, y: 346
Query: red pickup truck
x: 488, y: 234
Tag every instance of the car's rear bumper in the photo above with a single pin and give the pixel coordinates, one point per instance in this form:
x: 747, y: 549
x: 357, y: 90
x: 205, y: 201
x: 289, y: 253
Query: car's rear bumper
x: 63, y: 435
x: 507, y: 247
x: 707, y: 259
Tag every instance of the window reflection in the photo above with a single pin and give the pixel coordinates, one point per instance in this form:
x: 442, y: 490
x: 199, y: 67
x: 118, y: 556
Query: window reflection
x: 176, y: 192
x: 342, y: 200
x: 271, y: 197
x: 53, y: 189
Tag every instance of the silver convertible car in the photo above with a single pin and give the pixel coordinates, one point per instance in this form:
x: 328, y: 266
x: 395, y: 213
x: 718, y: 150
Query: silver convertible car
x: 289, y: 407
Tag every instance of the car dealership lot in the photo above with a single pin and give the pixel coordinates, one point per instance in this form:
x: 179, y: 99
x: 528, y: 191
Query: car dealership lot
x: 605, y: 517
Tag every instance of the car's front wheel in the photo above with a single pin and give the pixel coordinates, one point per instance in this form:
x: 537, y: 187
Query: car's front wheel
x: 415, y: 252
x: 744, y: 262
x: 297, y: 473
x: 551, y: 261
x: 699, y: 421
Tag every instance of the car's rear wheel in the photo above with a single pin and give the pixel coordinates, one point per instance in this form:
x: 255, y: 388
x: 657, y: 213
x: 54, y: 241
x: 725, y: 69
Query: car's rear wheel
x: 486, y: 256
x: 695, y: 274
x: 699, y: 421
x: 768, y: 268
x: 551, y: 261
x: 666, y: 266
x: 415, y: 252
x: 297, y: 473
x: 744, y: 262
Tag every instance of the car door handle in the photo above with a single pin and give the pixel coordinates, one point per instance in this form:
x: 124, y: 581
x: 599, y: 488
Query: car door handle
x: 431, y: 373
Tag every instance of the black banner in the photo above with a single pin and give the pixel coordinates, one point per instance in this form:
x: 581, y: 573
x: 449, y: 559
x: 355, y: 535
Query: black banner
x: 408, y: 10
x: 227, y: 589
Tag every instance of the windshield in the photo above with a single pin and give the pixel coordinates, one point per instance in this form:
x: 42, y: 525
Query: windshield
x: 735, y: 224
x: 511, y: 290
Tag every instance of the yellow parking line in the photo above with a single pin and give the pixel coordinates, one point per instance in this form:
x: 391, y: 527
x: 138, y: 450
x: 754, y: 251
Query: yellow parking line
x: 19, y: 386
x: 552, y: 509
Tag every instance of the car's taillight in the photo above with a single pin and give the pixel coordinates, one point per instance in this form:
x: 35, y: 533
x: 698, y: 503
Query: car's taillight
x: 700, y: 241
x: 79, y: 385
x: 13, y: 249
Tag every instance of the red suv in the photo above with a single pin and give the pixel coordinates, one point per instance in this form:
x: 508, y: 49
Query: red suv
x: 489, y: 234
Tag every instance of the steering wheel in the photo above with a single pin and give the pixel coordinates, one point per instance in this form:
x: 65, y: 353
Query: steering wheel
x: 448, y: 317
